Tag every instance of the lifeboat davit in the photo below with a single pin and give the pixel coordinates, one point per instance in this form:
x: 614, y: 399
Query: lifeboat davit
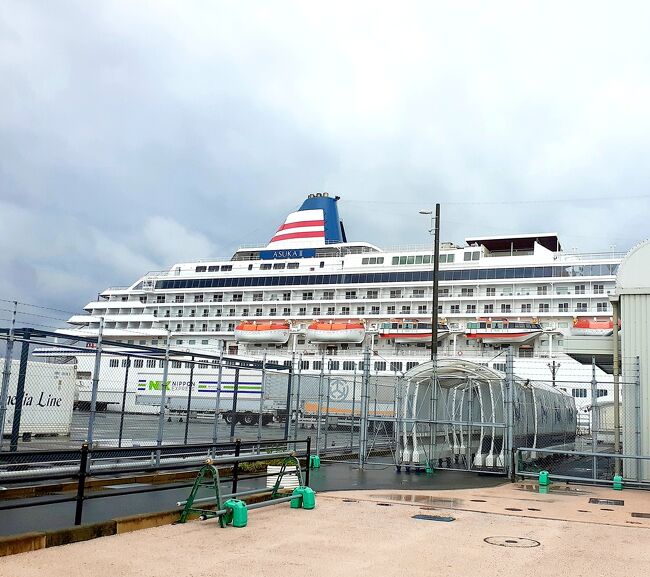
x: 264, y: 332
x: 336, y: 332
x: 591, y: 327
x: 503, y: 331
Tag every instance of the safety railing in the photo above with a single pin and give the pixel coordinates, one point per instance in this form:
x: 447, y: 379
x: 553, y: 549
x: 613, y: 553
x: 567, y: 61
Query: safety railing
x: 583, y: 466
x: 85, y: 463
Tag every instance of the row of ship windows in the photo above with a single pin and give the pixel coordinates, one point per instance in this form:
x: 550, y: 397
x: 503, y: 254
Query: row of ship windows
x: 384, y: 277
x: 373, y: 294
x: 372, y: 260
x: 470, y: 309
x: 316, y: 365
x: 505, y: 308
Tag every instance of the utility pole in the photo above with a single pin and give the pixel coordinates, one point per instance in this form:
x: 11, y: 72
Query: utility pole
x: 554, y: 367
x: 435, y: 229
x: 6, y: 373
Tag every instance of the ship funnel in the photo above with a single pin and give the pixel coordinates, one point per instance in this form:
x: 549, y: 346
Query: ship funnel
x: 314, y: 225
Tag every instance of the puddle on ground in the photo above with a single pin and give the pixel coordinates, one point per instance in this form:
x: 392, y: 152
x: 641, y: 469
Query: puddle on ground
x: 423, y: 500
x: 552, y: 488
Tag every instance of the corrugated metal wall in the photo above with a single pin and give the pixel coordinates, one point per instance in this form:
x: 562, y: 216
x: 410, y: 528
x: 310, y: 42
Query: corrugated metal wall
x: 635, y: 342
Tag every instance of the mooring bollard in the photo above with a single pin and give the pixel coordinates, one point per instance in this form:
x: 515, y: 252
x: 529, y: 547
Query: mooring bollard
x: 314, y: 462
x: 618, y: 483
x: 543, y: 479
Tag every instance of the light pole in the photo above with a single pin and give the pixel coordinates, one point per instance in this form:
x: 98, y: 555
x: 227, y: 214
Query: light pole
x: 435, y: 229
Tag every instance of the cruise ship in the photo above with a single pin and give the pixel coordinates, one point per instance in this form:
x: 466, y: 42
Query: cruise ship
x: 310, y: 292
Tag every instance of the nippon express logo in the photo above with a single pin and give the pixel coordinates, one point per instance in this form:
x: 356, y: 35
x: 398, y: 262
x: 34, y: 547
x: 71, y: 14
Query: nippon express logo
x: 144, y: 385
x: 152, y: 385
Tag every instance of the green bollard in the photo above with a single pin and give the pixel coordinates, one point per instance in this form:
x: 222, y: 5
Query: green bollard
x: 618, y: 483
x: 314, y: 462
x: 237, y: 512
x: 543, y: 479
x: 298, y: 492
x: 308, y: 498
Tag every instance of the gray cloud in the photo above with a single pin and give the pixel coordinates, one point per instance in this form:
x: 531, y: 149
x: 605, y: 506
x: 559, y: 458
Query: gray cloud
x: 133, y: 135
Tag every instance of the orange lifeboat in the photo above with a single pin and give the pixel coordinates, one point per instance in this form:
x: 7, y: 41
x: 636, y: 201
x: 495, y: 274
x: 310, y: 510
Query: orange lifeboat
x: 584, y: 326
x: 264, y: 332
x: 336, y: 332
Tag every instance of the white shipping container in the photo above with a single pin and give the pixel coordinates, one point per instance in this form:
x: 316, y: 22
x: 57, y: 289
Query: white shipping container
x: 48, y: 400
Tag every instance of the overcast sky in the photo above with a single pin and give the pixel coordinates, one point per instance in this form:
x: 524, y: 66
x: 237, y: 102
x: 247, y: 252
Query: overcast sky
x: 137, y: 134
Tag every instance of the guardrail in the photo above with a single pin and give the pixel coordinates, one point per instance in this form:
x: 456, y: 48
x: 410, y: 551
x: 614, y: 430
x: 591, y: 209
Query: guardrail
x: 597, y: 466
x: 79, y: 465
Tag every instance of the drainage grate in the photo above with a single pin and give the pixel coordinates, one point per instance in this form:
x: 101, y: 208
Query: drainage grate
x: 512, y: 541
x: 434, y: 518
x: 477, y: 500
x: 350, y: 501
x: 641, y: 515
x: 384, y: 505
x: 618, y: 502
x: 513, y: 509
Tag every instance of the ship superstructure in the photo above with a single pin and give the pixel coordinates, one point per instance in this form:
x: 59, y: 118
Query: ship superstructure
x: 310, y: 292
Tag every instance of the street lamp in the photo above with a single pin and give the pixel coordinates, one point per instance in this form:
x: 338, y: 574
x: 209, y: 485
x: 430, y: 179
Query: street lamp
x: 435, y: 228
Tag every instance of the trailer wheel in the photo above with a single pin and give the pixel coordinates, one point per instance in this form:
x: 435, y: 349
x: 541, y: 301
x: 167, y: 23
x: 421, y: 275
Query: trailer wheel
x: 248, y: 419
x: 228, y: 418
x: 266, y: 419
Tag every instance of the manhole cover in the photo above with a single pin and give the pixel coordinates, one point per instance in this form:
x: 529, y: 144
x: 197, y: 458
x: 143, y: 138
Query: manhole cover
x: 618, y: 502
x: 511, y: 541
x: 434, y: 518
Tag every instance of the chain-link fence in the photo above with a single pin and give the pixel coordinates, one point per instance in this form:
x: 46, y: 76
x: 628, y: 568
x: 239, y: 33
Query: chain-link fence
x: 608, y: 430
x: 57, y: 396
x: 346, y: 415
x: 457, y: 414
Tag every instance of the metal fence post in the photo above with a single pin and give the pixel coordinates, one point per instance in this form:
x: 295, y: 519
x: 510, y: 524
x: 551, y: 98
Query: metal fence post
x: 363, y: 420
x: 20, y: 390
x: 319, y: 410
x: 594, y: 419
x: 189, y: 401
x: 6, y: 373
x: 297, y: 413
x: 81, y: 484
x: 637, y: 383
x: 261, y: 408
x: 235, y: 467
x: 217, y: 401
x: 354, y: 394
x: 126, y: 381
x: 327, y: 407
x: 163, y: 398
x: 93, y: 397
x: 289, y: 383
x: 235, y: 395
x: 308, y: 451
x: 510, y: 387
